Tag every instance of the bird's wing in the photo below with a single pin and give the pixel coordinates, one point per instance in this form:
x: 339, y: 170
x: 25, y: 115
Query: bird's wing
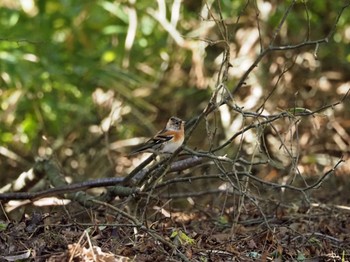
x: 155, y: 142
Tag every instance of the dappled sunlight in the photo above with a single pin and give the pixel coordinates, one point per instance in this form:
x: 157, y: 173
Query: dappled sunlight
x: 262, y: 172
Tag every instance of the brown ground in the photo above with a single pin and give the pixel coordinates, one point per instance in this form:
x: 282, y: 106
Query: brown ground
x: 259, y: 230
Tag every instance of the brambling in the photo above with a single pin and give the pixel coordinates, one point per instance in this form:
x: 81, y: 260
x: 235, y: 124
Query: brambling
x: 167, y: 140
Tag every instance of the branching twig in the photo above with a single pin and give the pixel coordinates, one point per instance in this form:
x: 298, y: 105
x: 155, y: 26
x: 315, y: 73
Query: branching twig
x: 45, y: 166
x: 271, y: 118
x: 272, y: 48
x: 314, y: 185
x: 285, y: 15
x: 151, y: 232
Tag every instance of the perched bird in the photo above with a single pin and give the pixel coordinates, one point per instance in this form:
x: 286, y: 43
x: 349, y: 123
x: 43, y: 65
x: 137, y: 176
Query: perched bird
x: 167, y: 140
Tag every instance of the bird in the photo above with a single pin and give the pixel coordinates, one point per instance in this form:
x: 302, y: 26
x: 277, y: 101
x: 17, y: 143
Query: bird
x: 166, y: 141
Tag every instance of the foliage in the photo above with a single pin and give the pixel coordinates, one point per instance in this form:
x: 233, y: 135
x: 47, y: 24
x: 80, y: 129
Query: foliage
x: 269, y: 80
x: 56, y: 53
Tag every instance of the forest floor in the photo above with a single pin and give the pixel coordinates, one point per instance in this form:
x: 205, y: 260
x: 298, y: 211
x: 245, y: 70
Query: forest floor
x: 269, y: 231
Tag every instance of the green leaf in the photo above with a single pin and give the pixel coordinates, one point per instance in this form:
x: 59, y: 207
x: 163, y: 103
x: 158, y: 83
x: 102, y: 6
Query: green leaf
x: 182, y: 238
x: 301, y: 256
x: 298, y: 111
x: 3, y: 225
